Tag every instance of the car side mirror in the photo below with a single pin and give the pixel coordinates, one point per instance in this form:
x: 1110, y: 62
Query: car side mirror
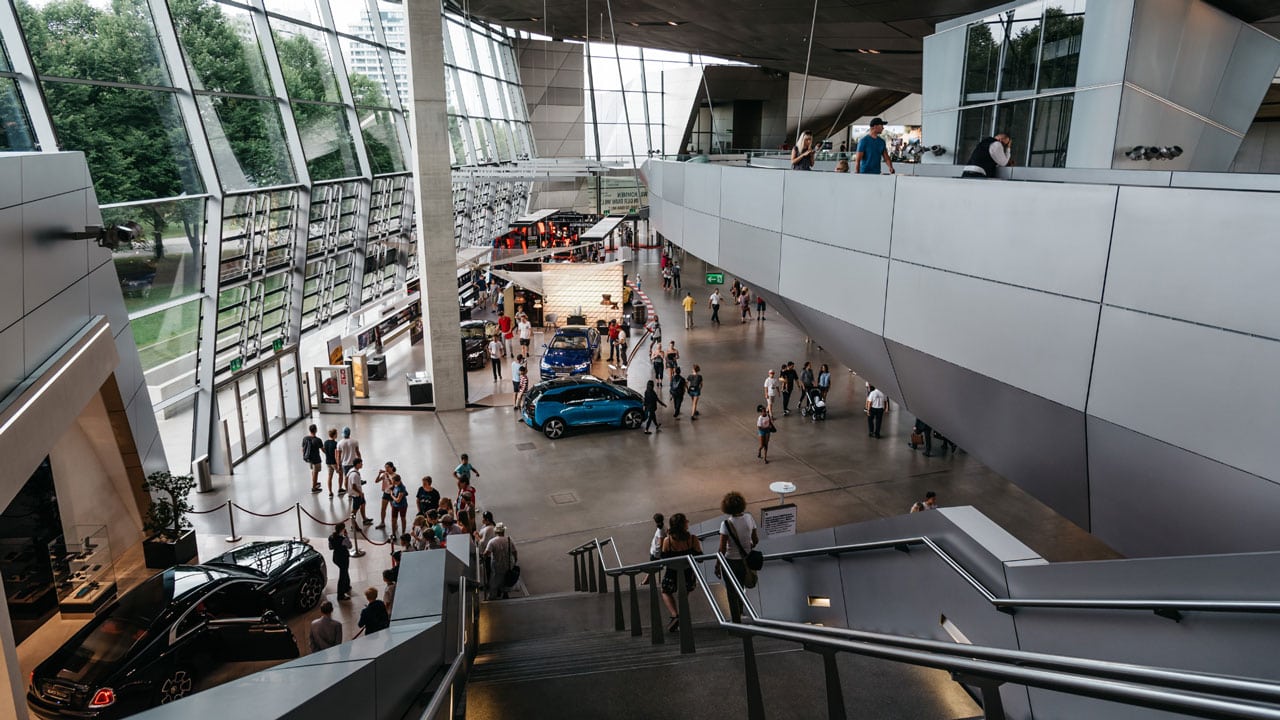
x: 270, y: 617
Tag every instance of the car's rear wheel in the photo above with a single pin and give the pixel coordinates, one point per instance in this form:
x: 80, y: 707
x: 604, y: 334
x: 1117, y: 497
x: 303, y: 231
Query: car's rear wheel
x: 309, y: 593
x: 632, y: 419
x: 176, y: 685
x: 553, y: 428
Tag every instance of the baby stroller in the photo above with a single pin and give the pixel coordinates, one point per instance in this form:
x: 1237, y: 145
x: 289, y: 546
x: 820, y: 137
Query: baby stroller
x: 812, y: 405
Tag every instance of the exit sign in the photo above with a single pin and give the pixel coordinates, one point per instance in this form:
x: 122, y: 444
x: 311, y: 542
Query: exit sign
x: 277, y: 345
x: 237, y: 364
x: 715, y: 278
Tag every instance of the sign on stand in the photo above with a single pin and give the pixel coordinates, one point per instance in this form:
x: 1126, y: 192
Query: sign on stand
x: 779, y: 520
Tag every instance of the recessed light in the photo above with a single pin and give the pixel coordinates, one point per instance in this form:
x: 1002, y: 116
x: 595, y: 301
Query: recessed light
x: 634, y: 24
x: 819, y: 601
x: 673, y: 23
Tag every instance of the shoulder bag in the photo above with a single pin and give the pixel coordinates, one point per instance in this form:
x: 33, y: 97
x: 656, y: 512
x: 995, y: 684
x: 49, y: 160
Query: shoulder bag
x: 754, y: 559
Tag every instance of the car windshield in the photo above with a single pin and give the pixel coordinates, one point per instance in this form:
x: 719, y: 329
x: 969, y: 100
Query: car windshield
x: 569, y: 342
x: 474, y: 331
x: 108, y: 643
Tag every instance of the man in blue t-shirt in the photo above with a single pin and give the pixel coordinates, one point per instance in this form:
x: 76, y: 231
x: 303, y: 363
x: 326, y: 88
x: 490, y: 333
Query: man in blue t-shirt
x: 871, y: 148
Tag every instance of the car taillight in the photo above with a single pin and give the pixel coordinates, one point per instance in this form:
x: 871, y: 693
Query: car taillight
x: 31, y: 680
x: 102, y: 698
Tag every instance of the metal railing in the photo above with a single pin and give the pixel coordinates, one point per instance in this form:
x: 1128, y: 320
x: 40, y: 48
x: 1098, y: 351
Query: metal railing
x: 986, y: 668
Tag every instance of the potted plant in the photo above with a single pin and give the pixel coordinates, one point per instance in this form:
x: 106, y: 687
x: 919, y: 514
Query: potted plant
x: 171, y: 540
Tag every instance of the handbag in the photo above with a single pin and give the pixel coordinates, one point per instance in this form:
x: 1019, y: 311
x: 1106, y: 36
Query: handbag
x: 511, y: 577
x: 754, y: 559
x: 917, y: 438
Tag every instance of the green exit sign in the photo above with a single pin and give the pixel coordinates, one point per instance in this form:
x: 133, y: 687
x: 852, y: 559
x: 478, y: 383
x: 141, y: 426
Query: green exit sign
x: 715, y: 278
x: 237, y: 364
x: 277, y: 345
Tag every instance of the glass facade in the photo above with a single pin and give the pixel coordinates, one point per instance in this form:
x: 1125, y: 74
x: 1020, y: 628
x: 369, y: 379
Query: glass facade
x: 1020, y: 71
x: 262, y: 151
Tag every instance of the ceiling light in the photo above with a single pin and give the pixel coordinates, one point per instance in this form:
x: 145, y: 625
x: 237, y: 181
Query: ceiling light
x: 634, y: 24
x: 868, y: 51
x: 673, y: 23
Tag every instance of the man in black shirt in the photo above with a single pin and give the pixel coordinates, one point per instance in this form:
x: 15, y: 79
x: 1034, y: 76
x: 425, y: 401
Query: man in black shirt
x: 789, y: 380
x: 428, y: 497
x: 311, y: 449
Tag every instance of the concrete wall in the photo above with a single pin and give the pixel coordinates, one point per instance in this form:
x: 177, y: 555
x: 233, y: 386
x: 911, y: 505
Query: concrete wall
x: 1107, y: 347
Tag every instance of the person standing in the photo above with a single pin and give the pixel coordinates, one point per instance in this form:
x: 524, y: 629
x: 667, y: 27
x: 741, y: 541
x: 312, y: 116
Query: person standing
x: 675, y: 276
x: 340, y: 546
x: 503, y: 558
x: 325, y: 631
x: 651, y: 403
x: 515, y: 373
x: 824, y: 380
x: 655, y: 545
x: 714, y: 302
x: 399, y: 506
x: 657, y: 358
x: 759, y: 308
x: 374, y: 617
x: 614, y: 331
x: 331, y: 458
x: 385, y: 479
x: 313, y: 455
x: 802, y: 154
x: 355, y: 491
x: 526, y: 334
x: 871, y: 150
x: 744, y: 303
x: 348, y: 453
x: 789, y: 380
x: 925, y: 432
x: 428, y: 497
x: 504, y: 327
x: 806, y: 377
x: 990, y: 154
x: 622, y: 348
x: 738, y: 536
x: 522, y: 388
x: 688, y: 304
x: 770, y: 391
x: 694, y: 381
x: 495, y: 357
x: 930, y: 502
x: 679, y: 541
x: 465, y: 469
x: 764, y: 428
x: 672, y: 359
x: 677, y: 390
x: 466, y: 503
x: 877, y: 406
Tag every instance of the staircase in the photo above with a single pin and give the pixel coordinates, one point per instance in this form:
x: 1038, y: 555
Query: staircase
x: 554, y: 656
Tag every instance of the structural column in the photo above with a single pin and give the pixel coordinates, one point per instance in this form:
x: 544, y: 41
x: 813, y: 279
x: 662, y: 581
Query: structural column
x: 437, y: 256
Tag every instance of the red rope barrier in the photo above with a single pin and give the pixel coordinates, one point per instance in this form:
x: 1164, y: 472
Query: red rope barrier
x: 327, y: 523
x: 260, y: 514
x: 206, y: 512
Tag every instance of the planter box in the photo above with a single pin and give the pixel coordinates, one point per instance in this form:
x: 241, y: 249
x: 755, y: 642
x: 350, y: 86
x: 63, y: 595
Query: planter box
x: 161, y: 554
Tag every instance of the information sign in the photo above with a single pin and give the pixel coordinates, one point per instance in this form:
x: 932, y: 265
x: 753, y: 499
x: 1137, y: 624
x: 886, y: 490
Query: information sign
x: 779, y: 520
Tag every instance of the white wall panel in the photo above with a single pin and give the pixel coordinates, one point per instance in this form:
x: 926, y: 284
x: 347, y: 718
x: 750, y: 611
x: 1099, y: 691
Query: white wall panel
x: 673, y: 183
x: 11, y: 269
x: 845, y: 210
x: 1095, y: 114
x: 750, y: 253
x: 1247, y: 76
x: 651, y: 173
x: 48, y: 174
x: 752, y: 197
x: 49, y: 264
x: 942, y: 74
x: 1197, y: 255
x: 1006, y: 231
x: 13, y: 368
x: 1034, y: 341
x: 1105, y: 40
x: 52, y: 324
x: 1195, y: 387
x: 702, y: 187
x: 841, y: 283
x: 702, y: 235
x: 673, y: 222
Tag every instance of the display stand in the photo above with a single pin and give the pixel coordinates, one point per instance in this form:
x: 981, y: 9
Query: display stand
x: 421, y: 391
x: 333, y: 387
x: 27, y: 583
x: 83, y: 571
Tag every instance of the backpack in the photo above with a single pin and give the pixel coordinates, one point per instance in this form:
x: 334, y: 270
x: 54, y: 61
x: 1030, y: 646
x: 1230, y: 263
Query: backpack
x: 677, y: 384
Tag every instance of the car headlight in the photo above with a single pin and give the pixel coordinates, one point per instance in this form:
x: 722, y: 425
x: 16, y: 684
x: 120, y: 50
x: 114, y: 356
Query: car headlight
x: 582, y: 366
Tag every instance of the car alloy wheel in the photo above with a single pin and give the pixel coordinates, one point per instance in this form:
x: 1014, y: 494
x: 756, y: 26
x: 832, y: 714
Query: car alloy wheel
x: 309, y: 593
x: 553, y: 428
x: 632, y: 419
x: 177, y: 685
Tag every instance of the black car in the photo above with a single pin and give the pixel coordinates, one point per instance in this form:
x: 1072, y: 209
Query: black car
x: 475, y: 342
x: 155, y: 644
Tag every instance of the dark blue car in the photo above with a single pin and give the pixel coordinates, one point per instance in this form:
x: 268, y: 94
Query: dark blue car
x: 570, y: 352
x: 556, y: 405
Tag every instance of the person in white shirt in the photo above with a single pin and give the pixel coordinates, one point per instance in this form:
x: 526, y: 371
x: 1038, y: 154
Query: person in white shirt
x: 655, y: 545
x: 770, y: 391
x: 355, y: 489
x: 990, y: 154
x: 877, y: 407
x: 930, y: 502
x: 347, y: 452
x: 515, y: 373
x: 526, y: 334
x: 738, y: 537
x: 495, y: 357
x: 714, y: 302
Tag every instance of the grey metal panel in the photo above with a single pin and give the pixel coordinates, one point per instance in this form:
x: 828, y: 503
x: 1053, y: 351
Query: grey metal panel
x: 13, y: 369
x: 1093, y: 176
x: 1206, y: 40
x: 994, y: 539
x: 857, y: 348
x: 1162, y: 260
x: 1254, y: 61
x: 940, y: 128
x: 128, y: 370
x: 348, y: 689
x: 11, y: 276
x: 842, y: 283
x: 421, y: 598
x: 1155, y: 39
x: 752, y: 197
x: 841, y: 210
x: 1035, y: 443
x: 702, y: 187
x: 673, y: 182
x: 50, y: 263
x: 673, y: 221
x: 97, y: 255
x: 1229, y: 180
x: 1139, y: 484
x: 10, y: 180
x: 1196, y: 387
x: 702, y: 235
x: 943, y: 69
x: 1032, y: 340
x: 105, y: 298
x: 1103, y: 45
x: 1095, y: 115
x: 48, y: 174
x: 985, y: 229
x: 1216, y: 149
x: 750, y: 252
x: 1145, y: 120
x: 51, y: 325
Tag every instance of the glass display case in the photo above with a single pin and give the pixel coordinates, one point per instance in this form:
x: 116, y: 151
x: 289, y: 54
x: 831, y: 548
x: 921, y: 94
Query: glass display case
x: 27, y: 584
x: 83, y: 570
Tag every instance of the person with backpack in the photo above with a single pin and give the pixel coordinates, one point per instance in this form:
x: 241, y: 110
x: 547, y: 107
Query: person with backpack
x: 677, y: 390
x: 312, y: 455
x: 736, y: 531
x: 764, y: 428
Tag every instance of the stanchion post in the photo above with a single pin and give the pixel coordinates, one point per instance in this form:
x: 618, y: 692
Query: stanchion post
x: 686, y: 622
x: 619, y: 620
x: 301, y: 537
x: 655, y: 610
x: 577, y: 574
x: 231, y: 518
x: 591, y: 571
x: 355, y: 538
x: 635, y: 607
x: 604, y: 583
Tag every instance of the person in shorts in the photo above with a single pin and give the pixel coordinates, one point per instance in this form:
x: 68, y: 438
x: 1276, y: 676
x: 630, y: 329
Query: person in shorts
x: 355, y: 490
x: 331, y: 458
x: 312, y: 454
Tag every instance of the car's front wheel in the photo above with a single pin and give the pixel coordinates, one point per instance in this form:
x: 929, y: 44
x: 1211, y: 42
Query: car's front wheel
x: 309, y: 593
x: 177, y: 684
x: 632, y: 419
x: 553, y: 428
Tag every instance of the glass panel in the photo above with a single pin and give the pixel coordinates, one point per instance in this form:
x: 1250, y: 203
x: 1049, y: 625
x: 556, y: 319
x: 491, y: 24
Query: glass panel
x: 17, y: 134
x: 460, y: 44
x: 326, y: 141
x: 457, y: 150
x: 484, y: 53
x: 371, y: 85
x: 1051, y: 132
x: 220, y: 47
x: 305, y: 61
x: 472, y: 104
x: 4, y: 57
x: 394, y: 23
x: 167, y: 342
x: 164, y: 263
x: 1021, y: 34
x: 1060, y: 56
x: 494, y: 95
x: 502, y: 135
x: 76, y: 39
x: 134, y: 140
x: 400, y: 70
x: 484, y: 151
x: 1015, y: 119
x: 975, y: 124
x: 381, y: 141
x: 982, y: 56
x: 250, y: 150
x: 304, y: 10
